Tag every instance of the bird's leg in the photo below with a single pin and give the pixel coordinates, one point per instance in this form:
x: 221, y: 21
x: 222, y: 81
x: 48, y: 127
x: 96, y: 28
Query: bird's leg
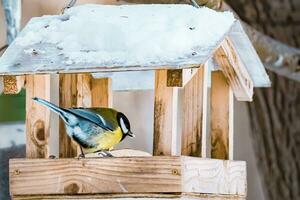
x: 108, y: 154
x: 105, y: 154
x: 81, y: 155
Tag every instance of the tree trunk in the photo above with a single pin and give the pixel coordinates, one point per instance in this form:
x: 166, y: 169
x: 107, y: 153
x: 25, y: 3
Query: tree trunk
x: 275, y: 112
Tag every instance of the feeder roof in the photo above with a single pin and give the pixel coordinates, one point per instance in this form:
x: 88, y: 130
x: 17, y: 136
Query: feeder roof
x: 101, y: 38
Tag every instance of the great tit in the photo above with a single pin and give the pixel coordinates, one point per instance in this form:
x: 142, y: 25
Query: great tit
x: 94, y: 129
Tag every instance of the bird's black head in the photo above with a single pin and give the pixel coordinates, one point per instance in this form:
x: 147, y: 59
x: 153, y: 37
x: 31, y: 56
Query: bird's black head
x: 124, y: 124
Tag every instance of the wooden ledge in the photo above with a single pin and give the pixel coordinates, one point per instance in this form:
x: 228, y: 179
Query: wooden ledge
x: 158, y: 174
x: 144, y: 196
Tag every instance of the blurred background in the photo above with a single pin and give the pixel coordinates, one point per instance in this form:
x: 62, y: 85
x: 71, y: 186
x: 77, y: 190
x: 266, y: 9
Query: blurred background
x: 138, y: 105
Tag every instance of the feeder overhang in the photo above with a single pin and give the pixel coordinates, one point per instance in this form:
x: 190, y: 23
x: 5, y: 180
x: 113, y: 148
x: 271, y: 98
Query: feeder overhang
x: 102, y: 38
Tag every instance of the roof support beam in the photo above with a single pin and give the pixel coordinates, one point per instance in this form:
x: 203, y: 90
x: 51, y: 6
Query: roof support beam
x: 234, y: 70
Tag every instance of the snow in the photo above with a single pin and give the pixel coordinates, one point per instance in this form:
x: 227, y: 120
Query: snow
x: 128, y: 34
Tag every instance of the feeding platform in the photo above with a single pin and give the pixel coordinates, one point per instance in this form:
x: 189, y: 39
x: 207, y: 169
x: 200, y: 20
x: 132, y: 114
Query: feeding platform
x: 190, y: 50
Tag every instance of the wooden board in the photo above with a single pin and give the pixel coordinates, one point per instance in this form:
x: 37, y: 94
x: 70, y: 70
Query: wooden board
x: 13, y: 84
x: 235, y: 71
x: 165, y: 116
x: 93, y: 92
x: 161, y: 174
x: 37, y: 116
x: 221, y: 117
x: 67, y: 99
x: 195, y: 115
x: 81, y: 90
x: 145, y: 196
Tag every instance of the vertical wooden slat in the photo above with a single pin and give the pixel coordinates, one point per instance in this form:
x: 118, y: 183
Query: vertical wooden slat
x: 165, y: 116
x: 93, y: 92
x: 195, y: 114
x: 37, y: 116
x: 81, y: 90
x: 221, y: 117
x: 67, y: 99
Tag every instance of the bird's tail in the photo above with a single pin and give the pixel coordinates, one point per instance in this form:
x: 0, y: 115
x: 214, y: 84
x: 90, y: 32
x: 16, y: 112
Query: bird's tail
x: 51, y: 106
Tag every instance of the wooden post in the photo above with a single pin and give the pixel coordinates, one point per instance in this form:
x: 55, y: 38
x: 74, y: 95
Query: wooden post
x: 81, y: 90
x: 12, y: 84
x: 165, y: 116
x: 67, y: 99
x: 37, y: 116
x: 221, y: 117
x: 94, y: 92
x: 195, y: 114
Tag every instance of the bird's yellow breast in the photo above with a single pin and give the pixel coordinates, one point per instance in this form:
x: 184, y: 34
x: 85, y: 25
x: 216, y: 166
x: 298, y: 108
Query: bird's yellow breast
x: 106, y: 141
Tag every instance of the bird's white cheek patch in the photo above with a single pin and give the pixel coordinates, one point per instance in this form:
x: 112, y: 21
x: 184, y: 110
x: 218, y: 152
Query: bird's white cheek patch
x: 123, y: 126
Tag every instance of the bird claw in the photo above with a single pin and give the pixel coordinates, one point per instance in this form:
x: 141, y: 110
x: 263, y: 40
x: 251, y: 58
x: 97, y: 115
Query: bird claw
x: 81, y: 156
x: 105, y: 154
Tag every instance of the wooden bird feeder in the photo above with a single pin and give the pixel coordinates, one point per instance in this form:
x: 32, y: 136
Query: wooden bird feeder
x: 196, y: 55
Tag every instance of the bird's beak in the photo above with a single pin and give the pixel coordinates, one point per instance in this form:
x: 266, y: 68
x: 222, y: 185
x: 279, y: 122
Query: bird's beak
x: 130, y: 134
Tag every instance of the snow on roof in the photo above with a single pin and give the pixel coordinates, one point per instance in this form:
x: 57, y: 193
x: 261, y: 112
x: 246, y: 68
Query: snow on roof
x: 117, y: 38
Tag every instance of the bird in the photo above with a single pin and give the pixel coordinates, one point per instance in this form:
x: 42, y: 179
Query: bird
x: 94, y: 129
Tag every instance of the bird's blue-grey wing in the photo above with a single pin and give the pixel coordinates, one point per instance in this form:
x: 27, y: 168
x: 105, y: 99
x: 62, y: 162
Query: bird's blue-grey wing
x: 92, y: 117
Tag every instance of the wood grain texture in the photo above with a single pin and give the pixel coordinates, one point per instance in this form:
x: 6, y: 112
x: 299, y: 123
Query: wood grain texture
x: 93, y: 92
x: 145, y: 196
x: 13, y: 84
x: 37, y: 116
x: 85, y: 176
x: 174, y: 78
x: 235, y: 71
x: 221, y: 117
x: 127, y: 176
x: 67, y: 99
x: 165, y: 112
x: 213, y: 176
x: 194, y: 115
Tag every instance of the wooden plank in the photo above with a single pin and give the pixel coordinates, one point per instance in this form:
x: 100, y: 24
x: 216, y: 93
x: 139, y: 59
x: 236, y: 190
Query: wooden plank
x: 101, y: 175
x: 213, y: 176
x: 131, y: 175
x: 221, y: 117
x: 67, y: 99
x: 93, y: 92
x: 235, y: 71
x: 174, y: 78
x: 180, y: 77
x: 195, y: 115
x: 165, y: 116
x: 145, y: 196
x: 37, y: 116
x: 13, y: 84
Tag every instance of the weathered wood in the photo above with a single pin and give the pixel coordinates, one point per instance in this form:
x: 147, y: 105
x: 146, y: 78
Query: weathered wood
x: 221, y: 117
x: 180, y: 77
x: 93, y: 92
x: 174, y: 78
x: 145, y: 196
x: 235, y: 71
x: 161, y: 174
x: 213, y: 176
x: 37, y: 116
x: 195, y: 115
x: 67, y: 99
x: 13, y: 84
x: 165, y: 116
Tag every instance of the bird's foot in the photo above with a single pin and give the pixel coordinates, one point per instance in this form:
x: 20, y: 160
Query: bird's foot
x: 105, y: 154
x: 81, y: 156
